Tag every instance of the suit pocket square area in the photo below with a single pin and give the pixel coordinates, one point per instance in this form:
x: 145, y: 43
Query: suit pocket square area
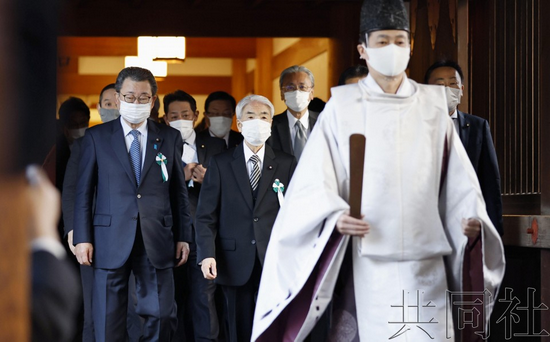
x: 102, y: 220
x: 168, y: 222
x: 228, y: 244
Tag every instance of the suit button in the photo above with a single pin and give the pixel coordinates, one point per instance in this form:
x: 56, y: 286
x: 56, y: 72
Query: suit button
x: 139, y: 196
x: 253, y: 242
x: 256, y: 219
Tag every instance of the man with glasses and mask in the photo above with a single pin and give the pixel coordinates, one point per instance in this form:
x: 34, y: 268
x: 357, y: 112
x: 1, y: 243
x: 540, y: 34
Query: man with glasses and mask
x: 141, y: 220
x: 292, y: 128
x: 420, y: 206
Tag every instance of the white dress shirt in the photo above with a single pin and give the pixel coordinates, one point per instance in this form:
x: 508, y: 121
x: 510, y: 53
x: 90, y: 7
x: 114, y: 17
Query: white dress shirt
x: 129, y: 138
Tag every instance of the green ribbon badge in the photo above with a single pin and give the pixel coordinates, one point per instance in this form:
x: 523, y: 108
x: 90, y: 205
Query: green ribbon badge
x: 279, y: 187
x: 162, y: 161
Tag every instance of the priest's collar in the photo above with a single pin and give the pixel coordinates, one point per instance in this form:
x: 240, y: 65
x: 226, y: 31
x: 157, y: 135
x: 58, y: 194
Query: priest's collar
x: 405, y: 89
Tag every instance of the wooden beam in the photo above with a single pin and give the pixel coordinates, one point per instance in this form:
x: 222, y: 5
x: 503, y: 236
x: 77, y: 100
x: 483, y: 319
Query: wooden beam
x: 298, y: 53
x: 91, y: 84
x: 127, y: 46
x: 238, y: 81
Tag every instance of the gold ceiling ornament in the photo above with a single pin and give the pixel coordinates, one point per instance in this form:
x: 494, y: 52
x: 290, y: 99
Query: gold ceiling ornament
x: 433, y: 19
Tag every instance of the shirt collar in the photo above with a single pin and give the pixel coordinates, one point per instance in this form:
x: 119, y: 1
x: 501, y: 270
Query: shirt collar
x: 248, y: 152
x: 304, y: 119
x: 126, y: 128
x: 191, y: 139
x: 455, y: 115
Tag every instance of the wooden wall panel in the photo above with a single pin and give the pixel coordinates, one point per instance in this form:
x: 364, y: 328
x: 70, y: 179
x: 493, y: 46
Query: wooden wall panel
x: 505, y: 89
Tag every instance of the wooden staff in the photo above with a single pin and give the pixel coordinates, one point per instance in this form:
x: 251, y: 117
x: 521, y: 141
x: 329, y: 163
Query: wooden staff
x: 357, y: 143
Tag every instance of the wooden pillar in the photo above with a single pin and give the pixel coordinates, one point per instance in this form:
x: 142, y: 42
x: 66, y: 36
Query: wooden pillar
x: 342, y: 52
x: 263, y: 84
x: 28, y: 102
x: 238, y: 82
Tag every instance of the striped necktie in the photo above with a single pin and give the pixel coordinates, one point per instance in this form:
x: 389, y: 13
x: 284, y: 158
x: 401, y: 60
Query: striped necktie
x: 135, y: 155
x: 255, y: 174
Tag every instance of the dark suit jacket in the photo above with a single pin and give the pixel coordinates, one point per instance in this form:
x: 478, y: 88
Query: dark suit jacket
x: 55, y: 298
x: 230, y: 226
x: 235, y: 138
x: 281, y: 138
x: 207, y: 147
x: 69, y: 187
x: 476, y: 138
x: 161, y: 208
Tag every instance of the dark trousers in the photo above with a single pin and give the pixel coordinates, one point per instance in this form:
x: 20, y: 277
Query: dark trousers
x: 195, y: 296
x: 155, y: 299
x: 240, y: 302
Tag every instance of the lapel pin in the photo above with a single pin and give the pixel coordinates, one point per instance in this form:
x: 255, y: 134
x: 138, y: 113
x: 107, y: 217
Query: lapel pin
x: 155, y: 146
x: 202, y: 146
x: 270, y: 167
x: 157, y: 140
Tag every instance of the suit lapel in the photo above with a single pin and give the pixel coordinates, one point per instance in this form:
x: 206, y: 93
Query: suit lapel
x: 118, y: 143
x: 153, y: 140
x: 241, y: 175
x: 269, y: 168
x: 284, y: 133
x: 201, y: 150
x: 464, y: 126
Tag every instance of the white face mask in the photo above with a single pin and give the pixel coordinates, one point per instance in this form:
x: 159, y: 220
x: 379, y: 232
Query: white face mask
x: 185, y: 127
x: 297, y: 100
x: 390, y: 60
x: 77, y: 133
x: 108, y: 114
x: 256, y: 132
x: 220, y: 125
x: 453, y: 96
x: 134, y: 113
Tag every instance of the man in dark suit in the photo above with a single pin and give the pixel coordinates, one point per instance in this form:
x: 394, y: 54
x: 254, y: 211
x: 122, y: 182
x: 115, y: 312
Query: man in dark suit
x: 240, y: 198
x: 219, y: 110
x: 141, y: 221
x: 475, y: 135
x: 291, y: 128
x: 194, y: 293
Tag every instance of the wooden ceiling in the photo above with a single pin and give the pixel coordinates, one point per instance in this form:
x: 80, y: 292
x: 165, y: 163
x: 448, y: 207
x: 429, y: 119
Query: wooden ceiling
x: 202, y: 18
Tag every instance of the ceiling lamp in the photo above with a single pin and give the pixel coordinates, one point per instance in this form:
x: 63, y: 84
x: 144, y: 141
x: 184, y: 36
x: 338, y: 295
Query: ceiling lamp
x: 168, y: 49
x: 159, y: 69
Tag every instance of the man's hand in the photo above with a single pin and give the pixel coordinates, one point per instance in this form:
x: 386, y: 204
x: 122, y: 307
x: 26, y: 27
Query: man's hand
x: 471, y: 227
x: 188, y: 170
x: 348, y: 225
x: 70, y: 242
x: 43, y: 203
x: 84, y: 253
x: 198, y: 173
x: 208, y: 267
x: 182, y: 252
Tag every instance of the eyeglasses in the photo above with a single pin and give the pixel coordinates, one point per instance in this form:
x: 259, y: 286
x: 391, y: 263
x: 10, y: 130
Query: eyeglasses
x: 291, y: 87
x: 131, y: 98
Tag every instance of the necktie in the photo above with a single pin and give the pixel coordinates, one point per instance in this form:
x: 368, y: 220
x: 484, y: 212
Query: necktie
x: 255, y: 174
x: 135, y: 155
x: 299, y: 139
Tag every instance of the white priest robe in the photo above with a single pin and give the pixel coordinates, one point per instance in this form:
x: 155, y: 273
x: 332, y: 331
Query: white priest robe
x: 418, y: 184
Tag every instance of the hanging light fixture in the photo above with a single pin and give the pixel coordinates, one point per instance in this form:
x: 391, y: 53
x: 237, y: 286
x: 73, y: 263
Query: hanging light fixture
x: 168, y: 49
x: 159, y: 69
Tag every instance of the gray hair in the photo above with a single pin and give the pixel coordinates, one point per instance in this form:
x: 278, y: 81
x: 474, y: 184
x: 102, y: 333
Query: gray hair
x: 253, y: 98
x: 136, y: 74
x: 294, y: 69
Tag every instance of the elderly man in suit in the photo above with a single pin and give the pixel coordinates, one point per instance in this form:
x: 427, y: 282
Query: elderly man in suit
x: 194, y: 293
x: 292, y: 128
x: 475, y: 135
x: 239, y: 200
x: 141, y: 221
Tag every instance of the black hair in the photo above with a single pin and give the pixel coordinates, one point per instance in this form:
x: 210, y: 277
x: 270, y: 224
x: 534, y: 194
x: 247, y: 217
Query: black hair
x: 138, y: 75
x: 220, y: 95
x: 351, y: 72
x: 179, y: 95
x: 440, y: 64
x: 71, y: 105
